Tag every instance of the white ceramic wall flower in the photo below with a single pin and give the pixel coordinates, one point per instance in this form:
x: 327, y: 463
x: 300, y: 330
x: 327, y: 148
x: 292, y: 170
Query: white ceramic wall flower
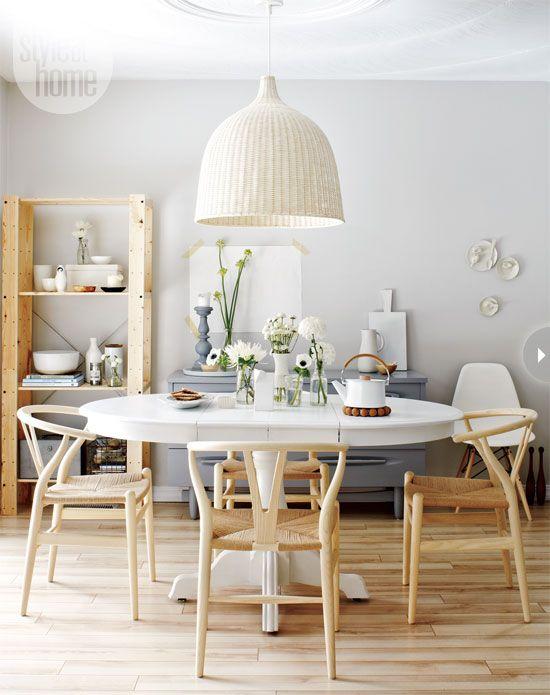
x: 312, y: 327
x: 244, y: 353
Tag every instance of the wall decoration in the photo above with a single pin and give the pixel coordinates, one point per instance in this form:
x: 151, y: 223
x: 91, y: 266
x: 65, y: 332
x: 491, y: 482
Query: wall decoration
x: 482, y: 255
x: 508, y: 268
x: 489, y: 306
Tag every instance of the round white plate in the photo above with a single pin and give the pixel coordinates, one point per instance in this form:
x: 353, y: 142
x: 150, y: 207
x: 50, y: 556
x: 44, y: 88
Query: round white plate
x: 479, y: 256
x: 199, y: 372
x: 183, y: 405
x: 489, y: 306
x: 508, y: 268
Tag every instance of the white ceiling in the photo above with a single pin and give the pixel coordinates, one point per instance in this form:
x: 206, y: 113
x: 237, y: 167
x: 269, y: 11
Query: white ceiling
x: 335, y: 39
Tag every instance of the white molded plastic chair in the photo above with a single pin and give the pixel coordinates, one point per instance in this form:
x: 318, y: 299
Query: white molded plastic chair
x: 80, y: 497
x: 488, y: 386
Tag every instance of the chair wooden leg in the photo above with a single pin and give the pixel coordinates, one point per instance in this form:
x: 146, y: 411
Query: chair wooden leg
x: 515, y: 531
x: 336, y: 571
x: 218, y: 486
x: 131, y: 540
x: 325, y: 479
x: 313, y: 491
x: 57, y: 516
x: 468, y: 471
x: 416, y: 532
x: 203, y: 592
x: 230, y: 490
x: 328, y: 610
x: 406, y: 543
x: 30, y: 556
x: 150, y: 527
x: 502, y: 531
x: 520, y: 489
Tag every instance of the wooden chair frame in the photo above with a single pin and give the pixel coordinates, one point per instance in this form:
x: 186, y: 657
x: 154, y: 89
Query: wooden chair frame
x: 265, y: 524
x: 226, y: 498
x: 132, y: 513
x: 415, y: 517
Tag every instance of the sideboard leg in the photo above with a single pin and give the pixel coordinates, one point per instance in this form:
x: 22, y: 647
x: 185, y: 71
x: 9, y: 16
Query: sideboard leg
x: 398, y: 502
x: 193, y: 506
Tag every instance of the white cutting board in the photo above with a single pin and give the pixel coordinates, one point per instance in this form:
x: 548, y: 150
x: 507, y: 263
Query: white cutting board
x: 392, y: 325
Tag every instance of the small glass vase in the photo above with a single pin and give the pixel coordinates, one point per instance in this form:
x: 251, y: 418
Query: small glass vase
x: 82, y: 253
x: 294, y: 384
x: 114, y: 380
x: 245, y: 384
x: 280, y: 378
x: 318, y: 388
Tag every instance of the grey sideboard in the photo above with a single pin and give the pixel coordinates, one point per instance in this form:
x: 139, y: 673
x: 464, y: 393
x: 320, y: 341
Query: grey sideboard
x: 372, y: 474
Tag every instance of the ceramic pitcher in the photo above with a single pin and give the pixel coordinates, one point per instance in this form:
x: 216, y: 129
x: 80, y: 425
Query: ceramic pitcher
x: 372, y: 342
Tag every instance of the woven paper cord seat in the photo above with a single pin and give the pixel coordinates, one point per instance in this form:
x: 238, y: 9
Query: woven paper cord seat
x: 108, y: 488
x: 456, y: 492
x: 296, y: 470
x: 297, y: 529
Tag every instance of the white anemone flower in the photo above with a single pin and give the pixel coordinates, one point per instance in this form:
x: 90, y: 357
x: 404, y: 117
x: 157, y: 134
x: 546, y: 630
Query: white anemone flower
x: 213, y: 357
x: 241, y: 353
x: 303, y: 361
x: 312, y: 327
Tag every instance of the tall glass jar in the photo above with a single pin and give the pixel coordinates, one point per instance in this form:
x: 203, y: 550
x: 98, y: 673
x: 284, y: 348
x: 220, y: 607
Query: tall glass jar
x: 280, y: 378
x: 294, y: 384
x: 245, y: 384
x: 82, y: 253
x: 318, y: 388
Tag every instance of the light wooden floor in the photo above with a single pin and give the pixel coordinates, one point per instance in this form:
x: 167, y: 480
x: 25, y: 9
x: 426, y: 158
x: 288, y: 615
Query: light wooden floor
x: 470, y: 637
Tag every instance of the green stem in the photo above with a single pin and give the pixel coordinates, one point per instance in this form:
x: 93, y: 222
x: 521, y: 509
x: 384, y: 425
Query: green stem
x: 233, y: 305
x: 224, y: 316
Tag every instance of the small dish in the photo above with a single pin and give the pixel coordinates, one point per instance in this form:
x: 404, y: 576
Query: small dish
x: 508, y: 268
x: 102, y: 260
x: 489, y: 306
x: 482, y: 255
x: 392, y: 366
x: 48, y: 284
x: 83, y: 288
x: 113, y: 289
x: 182, y: 405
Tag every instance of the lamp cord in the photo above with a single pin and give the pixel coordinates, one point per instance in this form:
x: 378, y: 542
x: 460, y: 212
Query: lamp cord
x: 268, y: 8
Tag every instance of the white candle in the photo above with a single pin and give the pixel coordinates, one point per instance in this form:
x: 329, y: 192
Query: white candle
x: 203, y: 299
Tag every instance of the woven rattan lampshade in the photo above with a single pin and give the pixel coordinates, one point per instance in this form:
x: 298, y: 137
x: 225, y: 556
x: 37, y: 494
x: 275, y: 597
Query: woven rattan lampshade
x: 269, y: 166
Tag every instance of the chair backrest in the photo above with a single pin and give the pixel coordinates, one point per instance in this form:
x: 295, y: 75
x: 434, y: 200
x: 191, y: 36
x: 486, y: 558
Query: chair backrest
x: 521, y: 420
x: 66, y: 450
x: 265, y: 508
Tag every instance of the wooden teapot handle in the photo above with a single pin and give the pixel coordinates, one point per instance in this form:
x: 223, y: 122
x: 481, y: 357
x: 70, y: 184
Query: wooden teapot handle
x: 367, y: 354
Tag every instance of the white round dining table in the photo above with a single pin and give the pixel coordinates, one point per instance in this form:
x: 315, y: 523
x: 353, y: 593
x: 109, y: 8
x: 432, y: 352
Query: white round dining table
x: 149, y: 418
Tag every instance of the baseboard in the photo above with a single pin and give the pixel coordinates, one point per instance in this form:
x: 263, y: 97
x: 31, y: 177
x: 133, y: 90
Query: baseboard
x: 167, y: 493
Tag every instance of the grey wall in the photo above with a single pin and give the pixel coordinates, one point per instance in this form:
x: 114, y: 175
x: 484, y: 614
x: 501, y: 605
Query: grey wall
x: 426, y: 170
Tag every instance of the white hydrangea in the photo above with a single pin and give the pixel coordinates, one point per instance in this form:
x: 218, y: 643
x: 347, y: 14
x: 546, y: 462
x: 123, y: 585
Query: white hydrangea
x: 328, y: 352
x: 312, y: 327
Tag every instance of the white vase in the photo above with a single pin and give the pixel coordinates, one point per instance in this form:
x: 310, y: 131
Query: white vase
x: 280, y: 377
x: 371, y: 342
x: 93, y: 362
x: 60, y: 279
x: 41, y: 272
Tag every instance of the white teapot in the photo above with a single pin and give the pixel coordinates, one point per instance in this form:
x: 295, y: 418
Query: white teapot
x: 364, y: 392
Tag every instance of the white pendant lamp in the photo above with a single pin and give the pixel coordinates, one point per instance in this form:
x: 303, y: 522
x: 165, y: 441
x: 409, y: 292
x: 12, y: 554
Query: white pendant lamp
x: 269, y: 166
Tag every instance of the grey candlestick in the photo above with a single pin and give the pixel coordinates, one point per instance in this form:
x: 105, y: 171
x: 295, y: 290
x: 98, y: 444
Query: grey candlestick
x: 203, y: 347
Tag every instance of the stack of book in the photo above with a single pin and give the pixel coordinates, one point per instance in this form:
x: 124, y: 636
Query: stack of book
x: 55, y: 380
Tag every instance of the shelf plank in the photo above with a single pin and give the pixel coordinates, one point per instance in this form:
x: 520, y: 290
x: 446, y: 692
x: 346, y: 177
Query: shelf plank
x: 73, y: 294
x: 84, y: 387
x: 76, y: 201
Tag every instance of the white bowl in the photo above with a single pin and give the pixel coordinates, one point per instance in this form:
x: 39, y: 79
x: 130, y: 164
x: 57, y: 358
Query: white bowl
x: 102, y: 260
x: 55, y: 361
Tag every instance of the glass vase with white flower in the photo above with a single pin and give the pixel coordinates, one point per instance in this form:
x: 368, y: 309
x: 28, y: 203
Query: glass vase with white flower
x: 81, y: 234
x: 115, y: 363
x: 245, y: 356
x: 228, y: 305
x: 281, y: 332
x: 322, y: 353
x: 295, y: 381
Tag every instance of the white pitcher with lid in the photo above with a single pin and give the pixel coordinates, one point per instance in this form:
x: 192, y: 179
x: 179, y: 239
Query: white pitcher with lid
x: 371, y: 342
